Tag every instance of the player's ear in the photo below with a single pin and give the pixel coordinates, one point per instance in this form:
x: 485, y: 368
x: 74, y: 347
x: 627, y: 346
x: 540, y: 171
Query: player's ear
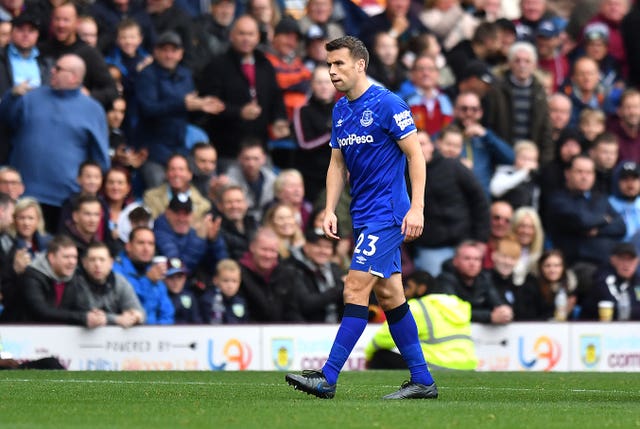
x: 360, y: 65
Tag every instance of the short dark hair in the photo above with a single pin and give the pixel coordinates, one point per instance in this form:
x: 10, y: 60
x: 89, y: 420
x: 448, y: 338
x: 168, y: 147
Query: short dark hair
x: 573, y: 159
x: 88, y: 163
x: 127, y: 23
x: 250, y: 143
x: 174, y: 156
x: 136, y: 230
x: 85, y: 199
x: 200, y: 145
x: 485, y: 32
x: 606, y: 137
x: 96, y: 245
x: 356, y: 48
x: 58, y: 242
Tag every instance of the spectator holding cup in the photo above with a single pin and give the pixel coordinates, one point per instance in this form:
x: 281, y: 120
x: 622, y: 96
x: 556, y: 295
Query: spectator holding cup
x: 146, y: 274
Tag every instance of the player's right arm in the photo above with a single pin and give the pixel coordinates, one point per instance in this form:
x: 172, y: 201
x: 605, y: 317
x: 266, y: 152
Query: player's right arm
x: 336, y: 179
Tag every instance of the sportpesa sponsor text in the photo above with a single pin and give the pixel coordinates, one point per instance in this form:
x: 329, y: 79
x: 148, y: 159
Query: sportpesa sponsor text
x: 352, y: 139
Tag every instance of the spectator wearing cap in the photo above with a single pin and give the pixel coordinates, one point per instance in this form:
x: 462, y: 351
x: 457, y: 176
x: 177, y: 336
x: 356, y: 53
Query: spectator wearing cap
x: 20, y: 60
x: 583, y: 223
x: 292, y: 75
x: 595, y: 46
x: 610, y: 14
x: 318, y: 281
x: 64, y: 40
x: 136, y: 263
x: 179, y: 176
x: 211, y: 32
x: 625, y: 198
x: 59, y: 109
x: 166, y: 16
x: 526, y: 101
x: 244, y: 79
x: 477, y: 77
x: 318, y: 18
x: 178, y: 239
x: 482, y: 147
x: 187, y: 310
x: 315, y: 54
x: 550, y: 58
x: 626, y: 125
x: 617, y: 281
x: 165, y: 95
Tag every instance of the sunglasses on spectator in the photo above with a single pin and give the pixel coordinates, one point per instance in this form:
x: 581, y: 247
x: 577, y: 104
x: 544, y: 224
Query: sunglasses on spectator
x: 472, y: 109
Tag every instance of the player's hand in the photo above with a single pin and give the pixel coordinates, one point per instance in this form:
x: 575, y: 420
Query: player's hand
x: 412, y: 224
x: 330, y: 225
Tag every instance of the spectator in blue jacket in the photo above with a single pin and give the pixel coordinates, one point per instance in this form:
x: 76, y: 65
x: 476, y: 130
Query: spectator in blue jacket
x: 58, y: 110
x: 178, y: 239
x: 165, y: 94
x: 482, y: 147
x: 136, y: 265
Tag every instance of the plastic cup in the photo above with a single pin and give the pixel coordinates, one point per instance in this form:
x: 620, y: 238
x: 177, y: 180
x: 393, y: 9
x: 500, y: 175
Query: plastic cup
x: 605, y: 311
x: 162, y: 260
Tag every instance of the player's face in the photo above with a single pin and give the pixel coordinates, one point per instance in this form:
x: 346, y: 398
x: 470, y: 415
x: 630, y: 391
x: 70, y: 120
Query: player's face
x: 344, y: 70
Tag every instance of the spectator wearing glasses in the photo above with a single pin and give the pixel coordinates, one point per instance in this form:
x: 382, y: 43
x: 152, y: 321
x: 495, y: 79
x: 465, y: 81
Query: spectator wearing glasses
x: 481, y: 147
x: 80, y: 127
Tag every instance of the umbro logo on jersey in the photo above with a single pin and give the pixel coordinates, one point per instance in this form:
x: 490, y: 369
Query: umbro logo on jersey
x: 361, y: 259
x: 339, y: 123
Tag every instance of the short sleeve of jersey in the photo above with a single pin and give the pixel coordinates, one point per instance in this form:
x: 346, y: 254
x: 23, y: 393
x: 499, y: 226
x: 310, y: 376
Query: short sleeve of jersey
x: 396, y: 117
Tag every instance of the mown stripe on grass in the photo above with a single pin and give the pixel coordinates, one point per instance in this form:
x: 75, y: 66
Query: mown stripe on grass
x: 218, y: 383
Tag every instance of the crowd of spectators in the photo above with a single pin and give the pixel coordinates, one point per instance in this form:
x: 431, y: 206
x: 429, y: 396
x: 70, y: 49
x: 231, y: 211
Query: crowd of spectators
x: 163, y: 162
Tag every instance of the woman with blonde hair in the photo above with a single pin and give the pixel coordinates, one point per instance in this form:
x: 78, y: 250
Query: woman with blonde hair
x: 29, y: 241
x: 281, y: 219
x: 526, y: 228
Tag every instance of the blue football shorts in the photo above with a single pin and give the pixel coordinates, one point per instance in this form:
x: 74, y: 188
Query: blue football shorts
x: 377, y: 250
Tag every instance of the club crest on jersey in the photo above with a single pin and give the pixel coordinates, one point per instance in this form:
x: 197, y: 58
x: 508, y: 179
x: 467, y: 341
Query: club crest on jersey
x: 367, y: 118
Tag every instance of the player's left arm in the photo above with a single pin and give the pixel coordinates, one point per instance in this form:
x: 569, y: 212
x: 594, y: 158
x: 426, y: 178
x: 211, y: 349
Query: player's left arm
x: 413, y: 221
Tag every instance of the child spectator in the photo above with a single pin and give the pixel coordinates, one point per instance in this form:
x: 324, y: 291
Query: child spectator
x: 591, y: 124
x: 449, y: 144
x: 87, y: 30
x: 184, y: 302
x: 517, y: 183
x: 222, y: 303
x: 130, y: 58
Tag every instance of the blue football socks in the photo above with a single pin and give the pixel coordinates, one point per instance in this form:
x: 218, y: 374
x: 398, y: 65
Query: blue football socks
x: 404, y: 331
x: 353, y: 323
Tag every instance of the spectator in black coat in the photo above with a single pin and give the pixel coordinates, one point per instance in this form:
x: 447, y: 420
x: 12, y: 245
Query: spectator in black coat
x: 237, y: 227
x: 464, y: 277
x: 318, y: 281
x: 254, y: 106
x: 585, y: 226
x: 64, y: 40
x: 457, y: 209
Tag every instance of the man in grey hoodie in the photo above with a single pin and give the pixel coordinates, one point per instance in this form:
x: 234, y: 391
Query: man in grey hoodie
x: 51, y: 290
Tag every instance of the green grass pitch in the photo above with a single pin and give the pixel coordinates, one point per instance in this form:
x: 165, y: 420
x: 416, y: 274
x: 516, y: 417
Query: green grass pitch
x: 262, y: 400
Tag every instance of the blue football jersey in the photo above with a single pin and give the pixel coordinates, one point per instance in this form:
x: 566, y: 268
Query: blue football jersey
x: 366, y: 131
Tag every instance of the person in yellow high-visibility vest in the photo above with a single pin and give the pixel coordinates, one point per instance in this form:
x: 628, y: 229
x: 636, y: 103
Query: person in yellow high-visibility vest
x: 444, y: 330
